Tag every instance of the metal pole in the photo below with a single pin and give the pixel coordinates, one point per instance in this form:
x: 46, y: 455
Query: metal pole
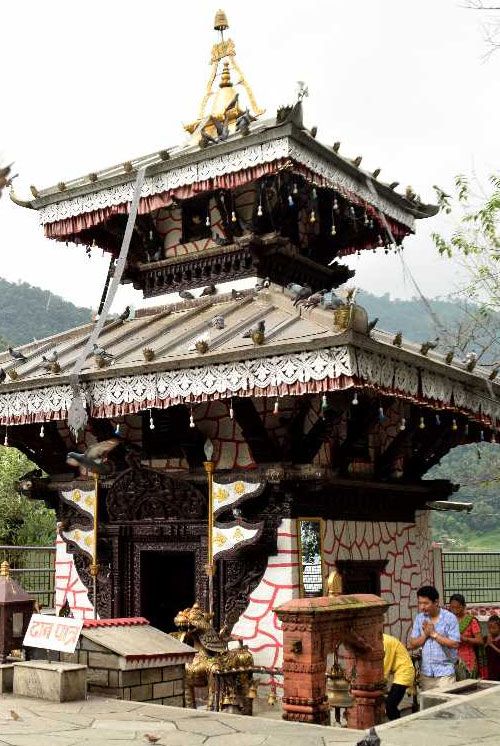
x: 94, y: 567
x: 209, y: 467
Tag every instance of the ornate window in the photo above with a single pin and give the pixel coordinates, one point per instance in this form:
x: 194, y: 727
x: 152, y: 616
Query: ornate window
x: 310, y: 543
x: 196, y: 219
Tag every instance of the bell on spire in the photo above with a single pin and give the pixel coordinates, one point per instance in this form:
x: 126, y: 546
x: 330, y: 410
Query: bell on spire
x: 220, y: 21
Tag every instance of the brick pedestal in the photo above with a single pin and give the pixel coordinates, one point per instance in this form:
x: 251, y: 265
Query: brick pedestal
x: 312, y: 628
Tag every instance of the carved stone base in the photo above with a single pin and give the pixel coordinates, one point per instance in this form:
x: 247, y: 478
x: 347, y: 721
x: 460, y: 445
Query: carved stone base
x: 302, y: 710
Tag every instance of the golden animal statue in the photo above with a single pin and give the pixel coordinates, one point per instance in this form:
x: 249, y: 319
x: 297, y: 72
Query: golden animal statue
x: 227, y: 674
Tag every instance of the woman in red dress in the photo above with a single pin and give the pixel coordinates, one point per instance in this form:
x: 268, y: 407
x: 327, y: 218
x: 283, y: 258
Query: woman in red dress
x: 470, y: 639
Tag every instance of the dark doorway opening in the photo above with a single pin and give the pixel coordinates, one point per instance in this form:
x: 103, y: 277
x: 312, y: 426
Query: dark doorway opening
x: 167, y: 586
x: 361, y: 576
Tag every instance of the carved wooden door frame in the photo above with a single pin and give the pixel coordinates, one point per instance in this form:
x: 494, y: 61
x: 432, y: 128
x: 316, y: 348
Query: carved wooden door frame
x: 195, y: 548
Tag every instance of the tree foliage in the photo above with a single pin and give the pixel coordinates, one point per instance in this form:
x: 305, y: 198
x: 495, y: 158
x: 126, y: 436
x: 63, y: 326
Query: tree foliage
x: 22, y: 521
x: 477, y: 469
x: 474, y: 243
x: 490, y: 22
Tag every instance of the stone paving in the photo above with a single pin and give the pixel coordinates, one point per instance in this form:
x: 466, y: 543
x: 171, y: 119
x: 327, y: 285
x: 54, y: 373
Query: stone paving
x: 472, y: 720
x: 99, y: 721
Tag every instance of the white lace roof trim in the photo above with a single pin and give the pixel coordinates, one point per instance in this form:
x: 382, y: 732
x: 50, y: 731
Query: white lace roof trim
x: 238, y: 160
x: 136, y: 392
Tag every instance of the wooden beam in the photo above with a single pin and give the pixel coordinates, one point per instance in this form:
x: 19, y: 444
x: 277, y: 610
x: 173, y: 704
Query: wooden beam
x: 172, y: 436
x: 48, y: 453
x: 435, y: 442
x: 358, y: 429
x: 262, y: 447
x: 306, y: 447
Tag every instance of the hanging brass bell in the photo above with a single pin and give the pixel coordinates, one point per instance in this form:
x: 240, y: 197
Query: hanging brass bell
x: 271, y: 700
x: 252, y: 691
x: 338, y: 688
x: 226, y: 701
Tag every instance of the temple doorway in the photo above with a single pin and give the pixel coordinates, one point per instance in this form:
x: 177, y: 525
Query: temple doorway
x: 167, y: 586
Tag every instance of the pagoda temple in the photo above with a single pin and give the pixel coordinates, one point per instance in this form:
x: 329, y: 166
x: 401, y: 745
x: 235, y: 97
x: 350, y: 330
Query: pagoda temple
x: 319, y: 428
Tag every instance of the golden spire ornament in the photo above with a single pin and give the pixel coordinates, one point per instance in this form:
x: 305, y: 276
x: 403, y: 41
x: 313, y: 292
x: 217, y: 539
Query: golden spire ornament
x: 225, y: 102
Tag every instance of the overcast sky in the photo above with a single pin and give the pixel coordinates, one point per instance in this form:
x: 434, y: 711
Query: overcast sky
x: 88, y: 84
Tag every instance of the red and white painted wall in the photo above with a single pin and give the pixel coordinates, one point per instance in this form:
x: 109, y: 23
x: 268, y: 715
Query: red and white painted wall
x: 68, y: 585
x: 406, y: 546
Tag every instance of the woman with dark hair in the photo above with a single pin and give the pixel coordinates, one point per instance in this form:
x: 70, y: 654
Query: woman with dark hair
x: 492, y: 644
x: 470, y: 639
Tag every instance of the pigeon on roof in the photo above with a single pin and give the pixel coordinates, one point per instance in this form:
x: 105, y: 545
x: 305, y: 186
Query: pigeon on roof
x: 301, y: 292
x: 16, y: 355
x: 429, y: 345
x: 209, y: 290
x: 51, y: 358
x: 100, y: 352
x: 262, y: 284
x: 260, y: 327
x: 331, y: 300
x: 218, y: 322
x: 314, y: 299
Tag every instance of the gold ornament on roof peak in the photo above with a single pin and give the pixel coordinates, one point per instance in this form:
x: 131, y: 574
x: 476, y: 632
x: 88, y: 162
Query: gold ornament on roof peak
x: 228, y: 105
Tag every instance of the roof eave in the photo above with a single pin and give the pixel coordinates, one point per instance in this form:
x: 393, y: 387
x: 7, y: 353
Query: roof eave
x: 189, y: 156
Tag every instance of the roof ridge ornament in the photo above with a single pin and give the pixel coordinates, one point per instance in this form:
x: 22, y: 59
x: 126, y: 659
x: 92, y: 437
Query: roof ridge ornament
x: 221, y: 113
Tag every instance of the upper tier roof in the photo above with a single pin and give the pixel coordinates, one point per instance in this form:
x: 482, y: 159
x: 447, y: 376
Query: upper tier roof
x: 267, y: 142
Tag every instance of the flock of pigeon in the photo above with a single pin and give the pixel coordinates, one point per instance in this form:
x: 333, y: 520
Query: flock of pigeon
x: 301, y: 295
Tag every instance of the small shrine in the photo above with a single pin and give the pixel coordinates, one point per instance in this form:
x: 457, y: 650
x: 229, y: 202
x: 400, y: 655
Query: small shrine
x: 235, y: 446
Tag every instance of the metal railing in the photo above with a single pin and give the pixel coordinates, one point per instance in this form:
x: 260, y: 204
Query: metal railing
x: 476, y: 575
x: 34, y: 569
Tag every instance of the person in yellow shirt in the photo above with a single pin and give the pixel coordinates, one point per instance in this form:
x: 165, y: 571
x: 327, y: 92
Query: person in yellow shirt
x: 398, y: 666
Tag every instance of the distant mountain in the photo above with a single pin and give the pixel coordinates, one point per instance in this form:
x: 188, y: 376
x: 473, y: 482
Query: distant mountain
x: 413, y: 318
x: 27, y: 312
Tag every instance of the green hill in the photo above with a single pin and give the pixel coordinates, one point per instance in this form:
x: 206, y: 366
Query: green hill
x: 28, y: 312
x: 414, y: 319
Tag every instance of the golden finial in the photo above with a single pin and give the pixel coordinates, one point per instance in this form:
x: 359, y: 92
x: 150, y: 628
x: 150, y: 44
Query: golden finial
x: 225, y: 78
x: 220, y: 21
x: 5, y: 569
x: 334, y: 583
